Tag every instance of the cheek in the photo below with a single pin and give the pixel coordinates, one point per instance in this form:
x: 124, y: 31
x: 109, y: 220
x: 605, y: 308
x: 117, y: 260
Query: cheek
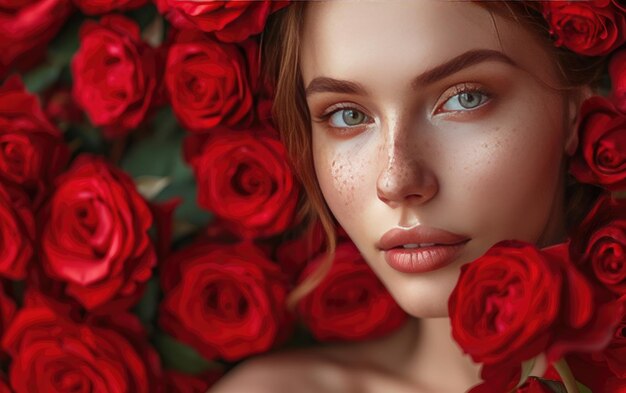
x: 341, y: 174
x: 511, y: 177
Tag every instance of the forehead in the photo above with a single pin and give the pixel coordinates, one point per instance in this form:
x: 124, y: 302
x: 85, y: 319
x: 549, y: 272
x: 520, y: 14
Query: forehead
x: 391, y: 41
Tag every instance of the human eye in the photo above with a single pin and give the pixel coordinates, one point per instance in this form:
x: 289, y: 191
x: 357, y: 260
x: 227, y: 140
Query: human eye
x: 343, y: 117
x: 463, y: 98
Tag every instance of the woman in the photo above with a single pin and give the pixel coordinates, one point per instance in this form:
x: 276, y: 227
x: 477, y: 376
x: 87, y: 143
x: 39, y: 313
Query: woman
x: 430, y: 131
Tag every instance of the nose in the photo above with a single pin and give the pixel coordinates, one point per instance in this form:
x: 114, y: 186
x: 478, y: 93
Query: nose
x: 406, y: 175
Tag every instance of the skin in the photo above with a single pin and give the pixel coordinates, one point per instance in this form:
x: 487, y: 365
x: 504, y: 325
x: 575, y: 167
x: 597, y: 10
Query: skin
x: 418, y: 157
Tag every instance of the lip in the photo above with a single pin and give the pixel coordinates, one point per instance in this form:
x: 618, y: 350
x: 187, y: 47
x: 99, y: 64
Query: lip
x: 446, y: 247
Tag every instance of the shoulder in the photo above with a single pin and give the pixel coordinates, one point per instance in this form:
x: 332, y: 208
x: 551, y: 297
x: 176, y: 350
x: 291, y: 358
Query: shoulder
x: 293, y: 372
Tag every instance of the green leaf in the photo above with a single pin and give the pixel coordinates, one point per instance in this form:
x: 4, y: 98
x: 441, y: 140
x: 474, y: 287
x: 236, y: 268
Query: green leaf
x: 144, y: 15
x: 147, y: 307
x: 160, y: 156
x: 182, y: 357
x: 582, y: 388
x: 42, y: 77
x: 66, y: 43
x: 527, y: 367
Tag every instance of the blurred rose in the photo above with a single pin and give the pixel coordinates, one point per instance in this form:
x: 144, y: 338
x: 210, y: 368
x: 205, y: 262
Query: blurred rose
x: 7, y: 310
x: 231, y: 21
x: 592, y: 28
x: 32, y: 151
x: 26, y: 27
x: 227, y: 301
x: 599, y: 243
x: 60, y: 107
x: 350, y: 303
x: 244, y: 179
x: 178, y: 382
x: 17, y: 233
x: 505, y: 304
x: 114, y: 74
x: 51, y: 353
x: 94, y: 235
x: 601, y: 155
x: 93, y: 7
x: 294, y: 254
x: 617, y: 71
x: 208, y: 82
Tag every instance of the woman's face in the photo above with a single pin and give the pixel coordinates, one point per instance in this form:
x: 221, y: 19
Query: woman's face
x: 425, y: 119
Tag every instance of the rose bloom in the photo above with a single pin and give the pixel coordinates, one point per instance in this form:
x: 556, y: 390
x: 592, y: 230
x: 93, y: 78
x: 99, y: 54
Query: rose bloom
x: 599, y: 243
x: 244, y: 179
x: 350, y: 303
x: 617, y: 71
x: 51, y: 353
x: 32, y: 151
x: 601, y: 158
x: 227, y: 301
x: 95, y: 235
x: 591, y: 28
x: 114, y: 73
x: 505, y: 304
x: 230, y: 21
x: 17, y: 232
x: 27, y: 27
x: 94, y: 7
x: 208, y: 83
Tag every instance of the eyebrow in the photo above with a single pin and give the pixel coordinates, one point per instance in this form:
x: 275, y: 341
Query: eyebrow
x: 450, y: 67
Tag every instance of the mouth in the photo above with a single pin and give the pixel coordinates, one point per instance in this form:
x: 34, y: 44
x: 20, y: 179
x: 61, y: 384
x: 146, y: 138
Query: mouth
x: 420, y: 249
x: 423, y: 258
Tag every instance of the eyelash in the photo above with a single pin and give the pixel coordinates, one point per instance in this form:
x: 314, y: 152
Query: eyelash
x: 457, y: 91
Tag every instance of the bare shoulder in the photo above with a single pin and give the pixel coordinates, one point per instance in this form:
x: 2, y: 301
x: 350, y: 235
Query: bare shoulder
x: 291, y: 372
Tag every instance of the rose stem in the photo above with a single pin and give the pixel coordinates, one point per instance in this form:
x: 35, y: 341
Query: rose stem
x: 566, y: 375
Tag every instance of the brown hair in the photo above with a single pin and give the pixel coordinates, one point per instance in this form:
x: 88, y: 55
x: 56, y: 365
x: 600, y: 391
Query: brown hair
x: 280, y: 53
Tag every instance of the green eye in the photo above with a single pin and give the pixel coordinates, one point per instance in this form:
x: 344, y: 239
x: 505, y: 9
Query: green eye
x: 465, y: 100
x: 349, y: 117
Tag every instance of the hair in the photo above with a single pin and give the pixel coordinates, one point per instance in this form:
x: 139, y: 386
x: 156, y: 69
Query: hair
x: 281, y: 56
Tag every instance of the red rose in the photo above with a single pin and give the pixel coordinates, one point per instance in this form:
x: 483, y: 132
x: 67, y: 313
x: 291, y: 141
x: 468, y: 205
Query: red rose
x: 505, y: 303
x: 32, y: 151
x: 94, y: 235
x: 17, y: 233
x: 244, y: 179
x: 208, y: 82
x: 592, y: 28
x: 599, y: 243
x: 231, y: 21
x: 601, y: 155
x: 51, y: 353
x: 4, y: 388
x: 60, y: 107
x: 7, y: 311
x: 294, y: 254
x: 615, y: 353
x: 617, y: 71
x: 26, y: 27
x: 226, y: 301
x: 350, y: 303
x: 178, y: 382
x: 589, y: 313
x: 114, y: 74
x: 597, y: 376
x: 93, y: 7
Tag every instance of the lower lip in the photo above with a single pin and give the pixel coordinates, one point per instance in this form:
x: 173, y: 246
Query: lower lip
x: 423, y: 259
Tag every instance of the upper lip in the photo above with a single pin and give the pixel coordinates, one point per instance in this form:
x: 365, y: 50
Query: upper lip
x: 420, y: 234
